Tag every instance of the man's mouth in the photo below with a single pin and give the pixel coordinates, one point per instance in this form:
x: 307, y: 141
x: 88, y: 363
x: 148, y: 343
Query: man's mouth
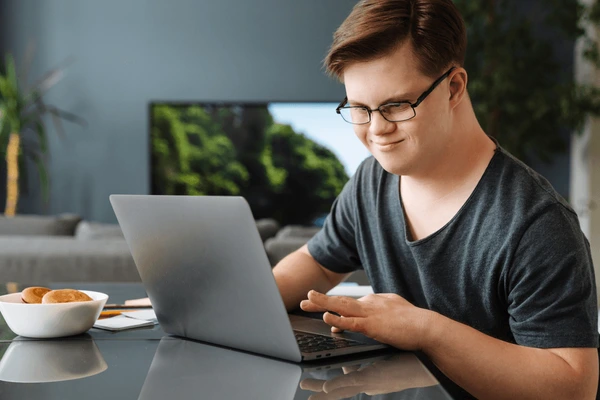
x: 387, y: 145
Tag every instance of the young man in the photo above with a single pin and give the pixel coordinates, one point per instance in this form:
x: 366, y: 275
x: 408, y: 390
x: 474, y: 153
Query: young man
x: 475, y: 259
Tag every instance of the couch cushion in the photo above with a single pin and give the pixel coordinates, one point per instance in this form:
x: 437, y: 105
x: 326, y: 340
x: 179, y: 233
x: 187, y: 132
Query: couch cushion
x: 95, y: 230
x: 39, y: 225
x: 65, y: 259
x: 298, y: 231
x: 267, y: 228
x: 86, y: 230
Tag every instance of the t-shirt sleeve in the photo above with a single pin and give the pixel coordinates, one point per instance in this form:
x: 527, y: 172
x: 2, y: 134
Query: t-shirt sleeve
x: 334, y: 246
x: 551, y: 285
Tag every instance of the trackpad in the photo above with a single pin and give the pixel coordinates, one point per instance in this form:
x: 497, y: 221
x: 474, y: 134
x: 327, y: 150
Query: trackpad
x: 314, y: 325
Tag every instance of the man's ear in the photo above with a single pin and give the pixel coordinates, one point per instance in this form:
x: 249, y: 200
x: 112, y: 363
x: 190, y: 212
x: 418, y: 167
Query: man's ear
x: 458, y: 86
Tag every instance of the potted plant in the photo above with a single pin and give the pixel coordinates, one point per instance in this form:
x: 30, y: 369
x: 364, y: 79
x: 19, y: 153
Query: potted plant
x: 522, y: 92
x: 21, y: 110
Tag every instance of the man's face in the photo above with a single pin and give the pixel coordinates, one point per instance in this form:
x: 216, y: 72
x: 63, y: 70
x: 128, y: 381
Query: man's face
x: 408, y: 147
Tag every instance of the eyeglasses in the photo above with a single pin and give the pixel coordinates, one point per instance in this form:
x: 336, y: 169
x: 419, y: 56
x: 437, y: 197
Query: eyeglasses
x: 392, y: 112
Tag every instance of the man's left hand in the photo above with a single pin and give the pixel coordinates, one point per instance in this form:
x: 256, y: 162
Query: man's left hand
x: 387, y: 318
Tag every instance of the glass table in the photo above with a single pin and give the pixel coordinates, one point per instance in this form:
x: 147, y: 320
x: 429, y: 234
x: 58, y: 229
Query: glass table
x: 148, y: 364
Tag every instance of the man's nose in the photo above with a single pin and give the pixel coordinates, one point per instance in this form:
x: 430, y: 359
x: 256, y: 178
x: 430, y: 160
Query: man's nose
x: 380, y: 125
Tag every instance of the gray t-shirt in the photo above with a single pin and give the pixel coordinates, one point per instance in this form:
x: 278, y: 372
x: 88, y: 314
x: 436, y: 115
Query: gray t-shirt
x: 512, y: 263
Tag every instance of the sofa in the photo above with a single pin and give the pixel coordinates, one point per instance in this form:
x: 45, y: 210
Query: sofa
x: 65, y: 248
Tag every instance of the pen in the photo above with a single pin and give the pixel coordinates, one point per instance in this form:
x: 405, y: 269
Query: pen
x: 115, y: 312
x: 124, y: 306
x: 108, y: 314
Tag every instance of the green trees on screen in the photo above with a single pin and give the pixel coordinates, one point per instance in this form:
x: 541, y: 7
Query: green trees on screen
x: 242, y: 151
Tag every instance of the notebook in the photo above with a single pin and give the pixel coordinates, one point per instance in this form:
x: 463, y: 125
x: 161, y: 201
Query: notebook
x: 121, y: 322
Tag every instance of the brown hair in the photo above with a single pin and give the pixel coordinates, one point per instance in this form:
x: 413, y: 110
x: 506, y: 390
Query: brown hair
x: 375, y: 27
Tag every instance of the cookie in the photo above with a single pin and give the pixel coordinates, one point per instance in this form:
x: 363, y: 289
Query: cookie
x: 34, y: 294
x: 65, y: 296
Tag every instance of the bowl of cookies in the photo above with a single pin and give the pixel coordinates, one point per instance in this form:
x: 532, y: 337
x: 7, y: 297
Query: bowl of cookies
x: 41, y: 313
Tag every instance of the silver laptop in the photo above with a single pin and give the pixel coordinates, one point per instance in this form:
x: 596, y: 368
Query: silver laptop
x: 205, y: 270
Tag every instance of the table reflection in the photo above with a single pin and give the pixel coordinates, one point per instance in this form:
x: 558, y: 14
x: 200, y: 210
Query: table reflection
x: 398, y: 376
x: 37, y: 361
x: 185, y: 369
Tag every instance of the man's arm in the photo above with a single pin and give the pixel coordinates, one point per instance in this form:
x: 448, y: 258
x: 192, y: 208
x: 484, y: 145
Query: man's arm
x: 486, y: 367
x: 298, y: 273
x: 493, y: 369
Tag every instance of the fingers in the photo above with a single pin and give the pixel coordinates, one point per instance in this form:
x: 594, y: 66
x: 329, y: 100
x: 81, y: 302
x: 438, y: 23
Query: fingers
x: 350, y: 369
x: 351, y: 380
x: 317, y: 386
x: 353, y: 324
x: 342, y: 305
x: 309, y: 306
x: 314, y: 385
x: 337, y: 392
x: 342, y: 393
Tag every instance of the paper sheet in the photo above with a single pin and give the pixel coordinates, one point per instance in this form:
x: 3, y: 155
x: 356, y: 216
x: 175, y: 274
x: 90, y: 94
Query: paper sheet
x: 144, y: 301
x: 351, y: 291
x: 120, y: 323
x: 146, y: 315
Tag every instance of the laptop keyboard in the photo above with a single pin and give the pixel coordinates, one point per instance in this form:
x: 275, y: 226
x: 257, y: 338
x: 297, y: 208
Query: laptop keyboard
x: 312, y: 343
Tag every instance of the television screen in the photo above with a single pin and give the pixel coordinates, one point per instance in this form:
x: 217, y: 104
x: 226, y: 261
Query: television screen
x: 289, y: 160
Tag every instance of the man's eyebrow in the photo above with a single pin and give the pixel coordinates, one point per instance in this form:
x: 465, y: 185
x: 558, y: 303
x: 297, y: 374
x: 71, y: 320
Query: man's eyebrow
x: 392, y: 99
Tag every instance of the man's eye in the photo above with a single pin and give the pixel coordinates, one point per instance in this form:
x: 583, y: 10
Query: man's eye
x: 395, y: 107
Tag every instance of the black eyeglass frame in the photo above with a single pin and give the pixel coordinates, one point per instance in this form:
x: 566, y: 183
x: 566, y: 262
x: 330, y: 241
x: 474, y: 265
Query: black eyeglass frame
x: 412, y: 105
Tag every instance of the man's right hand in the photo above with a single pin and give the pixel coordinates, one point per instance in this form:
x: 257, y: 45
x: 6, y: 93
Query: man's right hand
x: 307, y: 306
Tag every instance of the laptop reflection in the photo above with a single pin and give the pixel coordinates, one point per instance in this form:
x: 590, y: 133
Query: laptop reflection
x: 184, y: 368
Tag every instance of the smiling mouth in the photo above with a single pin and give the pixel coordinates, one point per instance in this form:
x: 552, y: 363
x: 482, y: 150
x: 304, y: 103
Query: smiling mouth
x: 387, y: 146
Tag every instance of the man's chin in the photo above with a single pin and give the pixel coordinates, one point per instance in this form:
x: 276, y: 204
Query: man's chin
x: 393, y: 166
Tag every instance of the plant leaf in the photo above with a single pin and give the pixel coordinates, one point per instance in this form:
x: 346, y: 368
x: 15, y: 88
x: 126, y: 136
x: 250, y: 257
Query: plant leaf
x: 40, y: 130
x: 66, y: 115
x: 43, y: 173
x: 11, y: 73
x: 57, y: 124
x: 4, y: 130
x: 4, y: 90
x: 44, y: 109
x: 23, y: 173
x: 31, y: 99
x: 51, y: 77
x: 2, y: 117
x: 11, y: 98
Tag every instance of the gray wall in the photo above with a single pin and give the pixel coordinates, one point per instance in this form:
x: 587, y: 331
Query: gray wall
x: 128, y: 53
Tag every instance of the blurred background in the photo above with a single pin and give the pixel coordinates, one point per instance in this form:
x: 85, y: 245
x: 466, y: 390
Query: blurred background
x: 230, y: 97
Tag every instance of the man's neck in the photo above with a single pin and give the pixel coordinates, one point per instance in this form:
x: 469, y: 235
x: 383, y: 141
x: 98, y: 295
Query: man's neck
x: 463, y: 163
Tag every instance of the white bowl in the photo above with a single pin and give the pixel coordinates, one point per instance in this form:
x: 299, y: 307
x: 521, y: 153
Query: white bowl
x: 36, y: 361
x: 42, y: 321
